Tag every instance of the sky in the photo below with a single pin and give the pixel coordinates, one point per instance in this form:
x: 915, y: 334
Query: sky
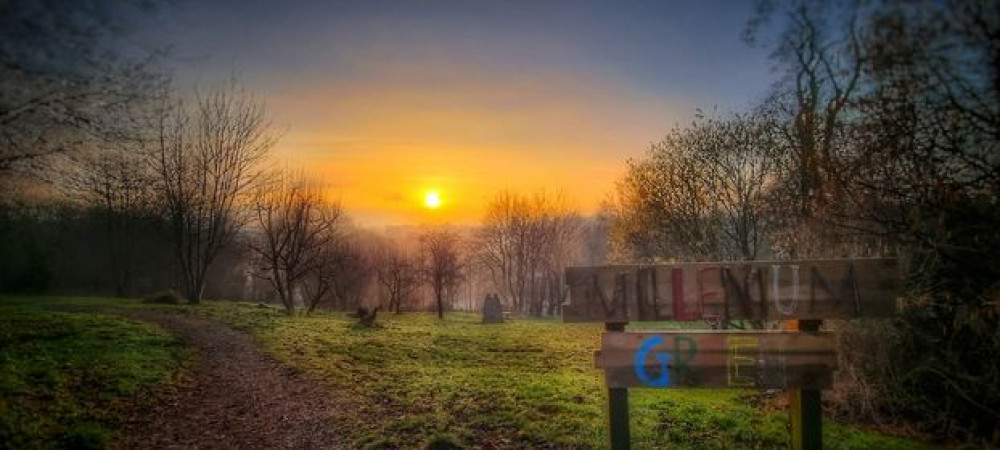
x: 384, y: 101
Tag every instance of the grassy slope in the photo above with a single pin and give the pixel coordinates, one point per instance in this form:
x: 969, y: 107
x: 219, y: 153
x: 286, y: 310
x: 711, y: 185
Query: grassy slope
x: 63, y: 372
x: 529, y: 383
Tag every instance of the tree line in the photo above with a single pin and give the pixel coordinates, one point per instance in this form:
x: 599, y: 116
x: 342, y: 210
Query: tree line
x: 121, y: 184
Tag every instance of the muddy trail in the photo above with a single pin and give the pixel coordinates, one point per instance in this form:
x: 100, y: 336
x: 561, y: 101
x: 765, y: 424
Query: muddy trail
x: 235, y: 396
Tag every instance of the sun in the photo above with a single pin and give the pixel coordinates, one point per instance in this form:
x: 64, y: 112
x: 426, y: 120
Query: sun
x: 432, y: 199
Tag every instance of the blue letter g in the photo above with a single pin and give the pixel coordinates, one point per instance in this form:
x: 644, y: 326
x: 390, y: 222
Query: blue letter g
x: 663, y: 380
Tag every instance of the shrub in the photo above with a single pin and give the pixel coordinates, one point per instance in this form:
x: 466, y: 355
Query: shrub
x: 85, y: 436
x: 169, y: 297
x: 444, y: 442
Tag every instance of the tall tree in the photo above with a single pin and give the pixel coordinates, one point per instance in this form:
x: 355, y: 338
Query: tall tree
x: 117, y: 186
x: 929, y: 134
x: 441, y: 264
x: 398, y: 273
x: 351, y: 269
x: 525, y: 242
x: 910, y: 91
x: 208, y: 160
x: 662, y: 210
x: 297, y: 225
x: 703, y: 192
x: 819, y: 53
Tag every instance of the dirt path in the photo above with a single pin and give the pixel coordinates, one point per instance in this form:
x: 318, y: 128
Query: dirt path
x: 236, y: 397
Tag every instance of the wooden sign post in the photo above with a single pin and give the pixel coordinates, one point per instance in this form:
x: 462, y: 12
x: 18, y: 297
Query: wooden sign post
x: 617, y: 402
x: 806, y: 406
x: 800, y: 360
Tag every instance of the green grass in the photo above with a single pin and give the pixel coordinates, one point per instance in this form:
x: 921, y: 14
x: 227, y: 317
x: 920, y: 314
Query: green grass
x: 417, y: 381
x: 63, y: 372
x: 527, y: 383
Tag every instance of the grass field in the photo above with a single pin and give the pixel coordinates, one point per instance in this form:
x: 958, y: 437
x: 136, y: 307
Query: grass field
x: 63, y: 374
x: 416, y: 380
x: 526, y: 383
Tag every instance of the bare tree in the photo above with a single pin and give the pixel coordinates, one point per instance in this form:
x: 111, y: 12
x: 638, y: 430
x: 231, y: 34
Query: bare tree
x: 703, y: 192
x: 525, y: 242
x: 821, y: 55
x: 742, y: 158
x: 501, y: 245
x: 398, y: 273
x: 297, y: 225
x: 596, y: 235
x: 563, y: 229
x: 318, y: 284
x: 351, y: 269
x: 208, y: 161
x: 662, y: 210
x: 72, y: 108
x: 64, y: 79
x: 116, y: 185
x: 441, y: 264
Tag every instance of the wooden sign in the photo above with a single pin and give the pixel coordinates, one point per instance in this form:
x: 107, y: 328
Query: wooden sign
x: 762, y: 290
x: 712, y: 359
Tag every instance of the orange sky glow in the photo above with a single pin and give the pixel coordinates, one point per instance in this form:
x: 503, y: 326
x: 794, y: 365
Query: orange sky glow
x: 381, y: 146
x: 385, y: 101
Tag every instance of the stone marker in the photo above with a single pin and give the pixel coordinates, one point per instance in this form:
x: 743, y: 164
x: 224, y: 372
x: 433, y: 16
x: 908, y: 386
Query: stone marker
x: 492, y: 309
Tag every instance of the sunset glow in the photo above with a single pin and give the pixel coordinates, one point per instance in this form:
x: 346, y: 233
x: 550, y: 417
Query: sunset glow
x: 386, y: 104
x: 432, y: 199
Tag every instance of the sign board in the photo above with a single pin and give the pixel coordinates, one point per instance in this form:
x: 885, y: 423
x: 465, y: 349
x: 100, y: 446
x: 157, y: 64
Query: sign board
x: 712, y: 359
x: 761, y: 290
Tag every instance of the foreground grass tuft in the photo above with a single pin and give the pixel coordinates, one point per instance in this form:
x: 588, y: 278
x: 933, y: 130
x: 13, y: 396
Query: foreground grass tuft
x: 62, y: 374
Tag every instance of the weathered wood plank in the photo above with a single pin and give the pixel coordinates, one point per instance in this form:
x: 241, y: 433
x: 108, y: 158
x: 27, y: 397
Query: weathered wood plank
x: 712, y: 359
x: 606, y: 291
x: 761, y: 290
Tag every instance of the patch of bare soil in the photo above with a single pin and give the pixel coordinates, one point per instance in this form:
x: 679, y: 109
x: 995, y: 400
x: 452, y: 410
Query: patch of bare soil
x: 235, y: 397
